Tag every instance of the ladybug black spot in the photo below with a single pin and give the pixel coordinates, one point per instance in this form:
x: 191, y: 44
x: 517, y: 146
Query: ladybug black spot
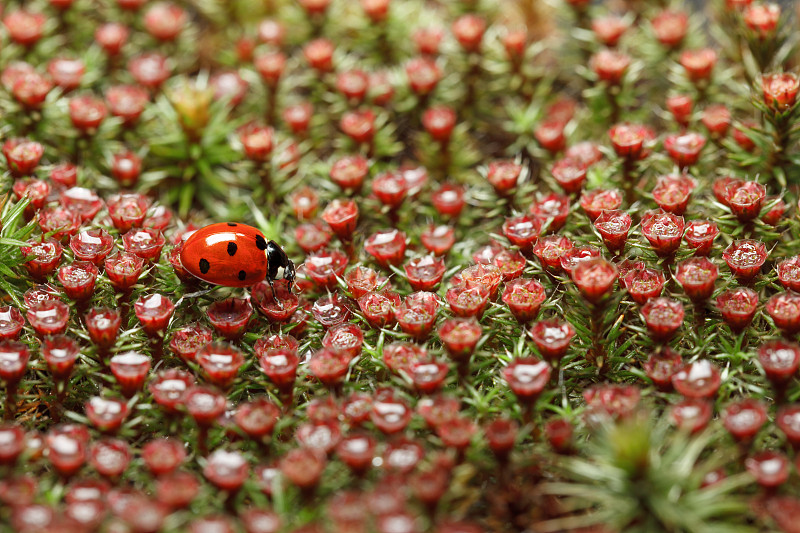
x: 261, y: 242
x: 231, y: 225
x: 242, y: 275
x: 204, y: 266
x: 231, y: 249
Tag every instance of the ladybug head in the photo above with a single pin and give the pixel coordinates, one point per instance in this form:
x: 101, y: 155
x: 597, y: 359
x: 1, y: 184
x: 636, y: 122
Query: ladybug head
x: 279, y: 265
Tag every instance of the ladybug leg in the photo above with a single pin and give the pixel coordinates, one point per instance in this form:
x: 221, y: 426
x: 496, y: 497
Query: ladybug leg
x: 274, y: 293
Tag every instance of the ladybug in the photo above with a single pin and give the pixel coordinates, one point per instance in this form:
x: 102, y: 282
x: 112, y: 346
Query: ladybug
x: 235, y: 255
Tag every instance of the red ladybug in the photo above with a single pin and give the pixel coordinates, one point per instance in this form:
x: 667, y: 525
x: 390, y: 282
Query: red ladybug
x: 235, y: 255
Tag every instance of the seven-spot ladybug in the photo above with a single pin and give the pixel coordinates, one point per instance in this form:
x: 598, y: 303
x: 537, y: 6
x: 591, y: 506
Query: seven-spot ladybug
x: 235, y: 255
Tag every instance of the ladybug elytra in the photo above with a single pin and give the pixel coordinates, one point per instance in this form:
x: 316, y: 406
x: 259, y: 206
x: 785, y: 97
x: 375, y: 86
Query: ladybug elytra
x: 235, y: 255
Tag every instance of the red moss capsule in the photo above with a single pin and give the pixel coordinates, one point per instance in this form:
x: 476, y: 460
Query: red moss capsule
x: 111, y: 37
x: 303, y: 467
x: 12, y: 444
x: 87, y: 113
x: 789, y: 273
x: 737, y: 307
x: 770, y: 468
x: 631, y: 141
x: 146, y: 243
x: 643, y: 284
x: 130, y: 369
x: 169, y: 388
x: 550, y: 249
x: 692, y: 414
x: 723, y: 186
x: 502, y: 435
x: 110, y: 458
x: 670, y: 27
x: 680, y: 105
x: 204, y: 404
x: 697, y: 276
x: 438, y: 239
x: 610, y: 65
x: 552, y: 338
x: 78, y: 279
x: 390, y: 414
x: 378, y: 307
x: 60, y: 353
x: 49, y: 317
x: 423, y: 75
x: 220, y: 362
x: 459, y: 337
x: 163, y: 455
x: 14, y: 357
x: 358, y: 125
x: 400, y: 356
x: 717, y: 120
x: 570, y: 259
x: 326, y: 267
x: 700, y: 235
x: 467, y: 301
x: 280, y: 366
x: 66, y: 447
x: 350, y: 172
x: 613, y: 226
x: 595, y: 202
x: 39, y: 293
x: 11, y: 322
x: 788, y: 420
x: 661, y: 366
x: 784, y: 309
x: 341, y: 216
x: 745, y: 258
x: 503, y: 176
x: 424, y: 273
x: 524, y: 297
x: 416, y: 315
x: 257, y: 418
x: 663, y: 230
x: 663, y: 317
x: 344, y: 338
x: 743, y: 419
x: 745, y: 199
x: 329, y: 366
x: 361, y: 280
x: 594, y: 278
x: 186, y: 341
x: 672, y: 193
x: 177, y: 490
x: 25, y: 27
x: 22, y: 156
x: 165, y: 21
x: 527, y: 378
x: 45, y: 256
x: 276, y: 311
x: 107, y: 415
x: 522, y: 231
x: 570, y: 174
x: 226, y: 470
x: 700, y: 379
x: 780, y: 90
x: 230, y: 317
x: 698, y: 64
x: 762, y: 19
x: 154, y: 312
x: 551, y: 211
x: 428, y: 375
x: 439, y: 122
x: 92, y: 245
x: 386, y: 247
